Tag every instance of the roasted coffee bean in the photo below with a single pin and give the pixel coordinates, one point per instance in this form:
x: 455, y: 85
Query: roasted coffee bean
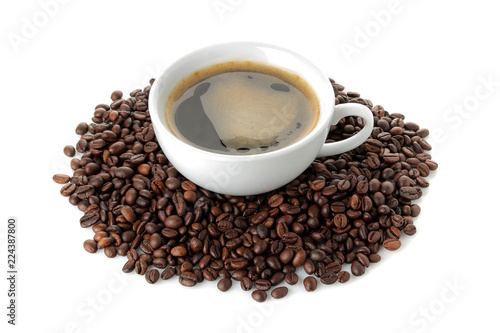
x: 89, y: 219
x: 279, y: 292
x: 188, y: 279
x: 357, y: 268
x: 178, y: 251
x: 410, y: 193
x: 90, y: 246
x: 328, y: 278
x: 275, y: 200
x: 410, y: 230
x: 392, y: 244
x: 317, y: 255
x: 343, y: 276
x: 333, y: 267
x: 68, y: 189
x: 246, y: 283
x: 259, y: 296
x: 141, y: 266
x: 291, y: 278
x: 286, y: 256
x: 85, y: 191
x: 310, y: 283
x: 61, y: 179
x: 224, y: 284
x: 277, y: 278
x: 299, y: 258
x: 82, y: 128
x: 110, y: 251
x: 152, y: 276
x: 262, y: 284
x: 69, y: 151
x: 116, y: 95
x: 167, y: 273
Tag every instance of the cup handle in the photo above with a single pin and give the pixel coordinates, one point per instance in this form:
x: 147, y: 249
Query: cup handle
x: 345, y: 110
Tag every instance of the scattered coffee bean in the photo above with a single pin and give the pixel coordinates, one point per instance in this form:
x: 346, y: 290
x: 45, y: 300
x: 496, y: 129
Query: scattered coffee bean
x: 225, y: 284
x: 357, y: 268
x: 90, y: 246
x: 188, y: 279
x: 291, y: 278
x: 392, y: 244
x: 279, y: 292
x: 342, y: 210
x: 310, y: 283
x: 259, y: 296
x: 152, y: 276
x: 69, y: 151
x: 61, y: 179
x: 343, y: 276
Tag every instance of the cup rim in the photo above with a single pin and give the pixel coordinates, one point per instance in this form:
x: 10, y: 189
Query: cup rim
x: 328, y: 100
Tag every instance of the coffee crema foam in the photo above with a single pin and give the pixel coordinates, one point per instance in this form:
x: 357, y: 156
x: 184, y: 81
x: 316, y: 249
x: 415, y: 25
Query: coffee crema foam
x: 242, y: 108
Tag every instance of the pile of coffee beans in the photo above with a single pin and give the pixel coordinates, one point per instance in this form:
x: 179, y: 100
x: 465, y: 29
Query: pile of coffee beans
x: 333, y: 218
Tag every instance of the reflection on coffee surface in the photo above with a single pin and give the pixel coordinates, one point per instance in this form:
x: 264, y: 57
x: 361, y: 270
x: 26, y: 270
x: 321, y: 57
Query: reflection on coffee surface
x: 242, y: 108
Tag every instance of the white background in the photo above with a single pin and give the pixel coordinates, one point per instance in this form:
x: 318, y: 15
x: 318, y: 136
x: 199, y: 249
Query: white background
x: 427, y: 59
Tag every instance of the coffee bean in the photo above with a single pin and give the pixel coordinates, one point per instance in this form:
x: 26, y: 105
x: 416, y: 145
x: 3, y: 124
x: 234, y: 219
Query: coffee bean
x: 68, y: 189
x: 275, y: 200
x: 110, y: 251
x: 141, y: 266
x: 357, y: 268
x: 328, y: 278
x: 410, y: 193
x: 224, y: 284
x: 291, y: 278
x: 152, y: 276
x: 246, y: 283
x: 104, y: 242
x: 178, y: 251
x: 69, y: 151
x: 317, y: 255
x: 410, y: 230
x: 116, y: 95
x: 128, y: 213
x: 262, y: 284
x: 333, y: 267
x: 129, y: 266
x: 277, y: 278
x: 167, y: 273
x: 188, y: 279
x: 343, y: 276
x: 82, y: 128
x: 89, y: 219
x: 259, y: 296
x: 90, y: 246
x: 310, y: 283
x: 373, y: 145
x: 392, y: 244
x: 85, y: 191
x: 279, y: 292
x: 61, y: 179
x: 299, y: 258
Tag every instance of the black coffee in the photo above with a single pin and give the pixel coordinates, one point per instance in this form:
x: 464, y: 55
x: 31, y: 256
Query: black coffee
x: 242, y: 108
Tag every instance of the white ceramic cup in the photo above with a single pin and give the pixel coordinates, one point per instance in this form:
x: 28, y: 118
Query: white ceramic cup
x: 257, y: 173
